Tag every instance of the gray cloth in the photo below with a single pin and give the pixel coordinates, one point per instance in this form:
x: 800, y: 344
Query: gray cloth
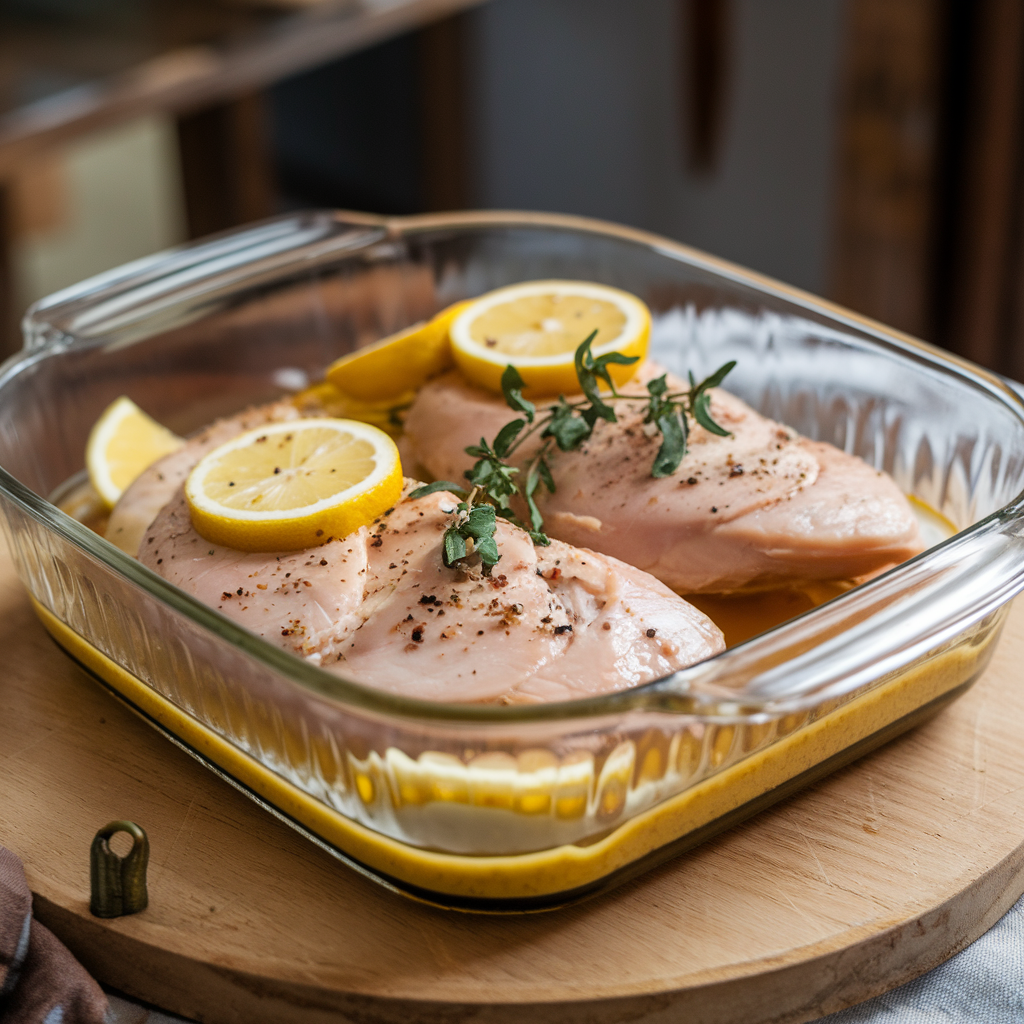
x: 982, y: 985
x: 123, y: 1010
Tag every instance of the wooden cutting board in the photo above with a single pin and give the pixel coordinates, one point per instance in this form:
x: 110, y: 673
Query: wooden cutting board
x: 857, y: 885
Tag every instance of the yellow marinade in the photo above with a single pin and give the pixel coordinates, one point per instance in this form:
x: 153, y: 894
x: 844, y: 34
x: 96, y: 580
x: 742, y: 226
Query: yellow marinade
x: 755, y: 760
x: 568, y: 867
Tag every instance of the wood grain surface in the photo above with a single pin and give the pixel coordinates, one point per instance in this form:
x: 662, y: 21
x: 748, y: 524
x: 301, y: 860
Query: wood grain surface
x: 862, y: 882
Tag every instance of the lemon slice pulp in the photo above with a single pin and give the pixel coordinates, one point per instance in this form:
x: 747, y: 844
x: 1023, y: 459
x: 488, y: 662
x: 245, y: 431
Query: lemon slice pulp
x: 287, y: 486
x: 122, y: 443
x: 537, y: 327
x: 386, y: 370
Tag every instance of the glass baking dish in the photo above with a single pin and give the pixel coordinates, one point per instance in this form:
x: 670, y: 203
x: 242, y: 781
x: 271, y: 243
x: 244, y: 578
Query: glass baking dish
x: 515, y: 807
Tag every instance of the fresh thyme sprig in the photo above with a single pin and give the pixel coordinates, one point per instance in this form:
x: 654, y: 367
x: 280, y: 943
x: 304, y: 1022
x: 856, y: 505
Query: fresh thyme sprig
x: 565, y: 426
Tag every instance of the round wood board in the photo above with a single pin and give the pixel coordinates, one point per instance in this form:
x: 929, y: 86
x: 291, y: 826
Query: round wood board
x: 860, y: 883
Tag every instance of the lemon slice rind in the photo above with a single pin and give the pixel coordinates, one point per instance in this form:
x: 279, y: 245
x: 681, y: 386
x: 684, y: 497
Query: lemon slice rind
x: 548, y: 374
x: 302, y: 525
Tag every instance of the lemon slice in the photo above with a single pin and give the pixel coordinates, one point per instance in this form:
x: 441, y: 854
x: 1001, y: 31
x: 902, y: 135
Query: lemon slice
x: 122, y: 443
x: 537, y: 327
x: 399, y: 363
x: 286, y: 486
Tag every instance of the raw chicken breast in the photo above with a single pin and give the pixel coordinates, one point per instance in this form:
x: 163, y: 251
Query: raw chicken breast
x: 764, y: 507
x: 153, y: 488
x: 379, y: 607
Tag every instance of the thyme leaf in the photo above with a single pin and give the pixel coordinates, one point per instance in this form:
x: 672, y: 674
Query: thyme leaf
x: 674, y: 433
x: 492, y: 475
x: 476, y: 524
x: 438, y: 485
x: 589, y: 370
x: 669, y: 417
x: 504, y: 438
x: 700, y: 401
x: 512, y: 385
x: 539, y: 472
x: 567, y: 429
x: 454, y: 546
x: 717, y: 377
x: 545, y: 474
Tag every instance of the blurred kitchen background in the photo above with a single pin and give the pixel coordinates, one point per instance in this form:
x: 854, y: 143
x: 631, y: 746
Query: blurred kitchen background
x: 866, y: 150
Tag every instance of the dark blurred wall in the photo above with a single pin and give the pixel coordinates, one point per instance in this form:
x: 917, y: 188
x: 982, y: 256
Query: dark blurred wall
x: 348, y: 134
x: 579, y: 106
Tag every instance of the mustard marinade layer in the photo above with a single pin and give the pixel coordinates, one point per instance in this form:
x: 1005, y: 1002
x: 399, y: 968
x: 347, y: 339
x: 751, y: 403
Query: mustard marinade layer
x: 780, y: 750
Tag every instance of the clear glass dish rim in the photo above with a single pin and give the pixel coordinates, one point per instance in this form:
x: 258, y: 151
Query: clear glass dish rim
x: 668, y: 694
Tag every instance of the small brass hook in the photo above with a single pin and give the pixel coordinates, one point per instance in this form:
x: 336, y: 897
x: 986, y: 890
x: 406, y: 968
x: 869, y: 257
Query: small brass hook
x: 118, y: 885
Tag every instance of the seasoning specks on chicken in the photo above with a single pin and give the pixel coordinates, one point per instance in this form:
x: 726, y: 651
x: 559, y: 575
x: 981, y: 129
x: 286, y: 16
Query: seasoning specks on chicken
x: 759, y: 507
x: 379, y: 607
x: 762, y: 507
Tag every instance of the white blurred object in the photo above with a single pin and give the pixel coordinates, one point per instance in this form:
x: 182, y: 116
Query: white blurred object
x: 112, y: 198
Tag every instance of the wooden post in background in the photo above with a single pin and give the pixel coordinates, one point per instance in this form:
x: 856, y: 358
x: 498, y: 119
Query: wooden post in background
x: 982, y: 308
x: 887, y: 169
x: 10, y: 339
x: 226, y: 165
x: 441, y: 50
x: 929, y: 227
x: 706, y: 30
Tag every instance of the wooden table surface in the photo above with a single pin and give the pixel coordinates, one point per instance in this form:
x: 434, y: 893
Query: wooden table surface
x: 862, y: 882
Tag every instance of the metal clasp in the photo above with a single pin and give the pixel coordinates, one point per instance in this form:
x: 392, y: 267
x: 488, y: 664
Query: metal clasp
x: 118, y: 885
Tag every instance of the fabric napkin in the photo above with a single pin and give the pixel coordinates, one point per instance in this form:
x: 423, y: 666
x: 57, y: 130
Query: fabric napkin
x: 40, y: 981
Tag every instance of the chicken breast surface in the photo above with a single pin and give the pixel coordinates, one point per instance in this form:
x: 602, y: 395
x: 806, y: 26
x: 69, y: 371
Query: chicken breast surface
x: 763, y: 507
x: 379, y: 606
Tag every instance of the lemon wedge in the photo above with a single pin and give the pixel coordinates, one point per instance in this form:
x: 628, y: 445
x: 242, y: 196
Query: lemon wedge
x: 324, y: 399
x: 122, y: 443
x: 286, y: 486
x: 537, y: 327
x: 397, y: 364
